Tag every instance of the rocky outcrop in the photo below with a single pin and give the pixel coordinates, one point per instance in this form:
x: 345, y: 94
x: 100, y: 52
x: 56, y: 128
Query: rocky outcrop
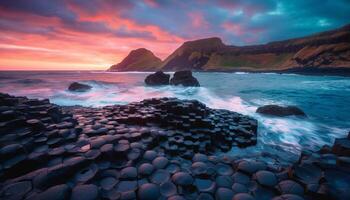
x: 138, y: 60
x: 184, y: 78
x: 79, y: 87
x: 280, y: 111
x: 158, y: 78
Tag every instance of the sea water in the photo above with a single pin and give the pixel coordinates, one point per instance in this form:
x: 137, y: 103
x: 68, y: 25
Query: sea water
x: 325, y: 100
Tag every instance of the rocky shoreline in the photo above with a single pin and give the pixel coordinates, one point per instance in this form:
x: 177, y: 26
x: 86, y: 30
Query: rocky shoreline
x: 154, y: 149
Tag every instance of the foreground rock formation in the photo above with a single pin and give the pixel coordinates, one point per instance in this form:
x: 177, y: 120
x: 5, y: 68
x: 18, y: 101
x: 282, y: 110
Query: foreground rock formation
x: 280, y: 111
x: 154, y: 149
x: 79, y: 87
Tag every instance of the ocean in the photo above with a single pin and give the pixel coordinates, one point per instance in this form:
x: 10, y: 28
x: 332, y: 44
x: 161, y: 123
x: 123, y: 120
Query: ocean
x: 325, y: 100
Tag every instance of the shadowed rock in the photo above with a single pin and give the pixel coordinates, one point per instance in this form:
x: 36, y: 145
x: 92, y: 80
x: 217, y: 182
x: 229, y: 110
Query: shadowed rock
x: 79, y: 87
x: 184, y: 78
x: 280, y: 111
x: 158, y: 78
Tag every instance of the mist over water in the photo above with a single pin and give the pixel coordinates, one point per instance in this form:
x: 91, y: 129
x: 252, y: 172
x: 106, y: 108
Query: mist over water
x: 324, y: 99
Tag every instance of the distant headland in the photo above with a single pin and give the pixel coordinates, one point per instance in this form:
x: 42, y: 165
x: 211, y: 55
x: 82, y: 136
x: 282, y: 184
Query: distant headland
x: 323, y: 53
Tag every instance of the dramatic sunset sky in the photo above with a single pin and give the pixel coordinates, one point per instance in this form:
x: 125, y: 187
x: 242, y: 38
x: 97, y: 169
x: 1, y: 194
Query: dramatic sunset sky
x: 94, y: 34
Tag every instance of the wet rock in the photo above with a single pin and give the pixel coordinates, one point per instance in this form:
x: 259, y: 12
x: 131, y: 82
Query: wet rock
x: 108, y: 183
x: 224, y: 194
x: 223, y: 169
x: 205, y: 185
x: 288, y: 197
x: 128, y: 173
x: 168, y: 189
x: 86, y: 192
x: 266, y: 178
x: 182, y: 178
x: 148, y: 191
x: 16, y: 190
x: 307, y: 173
x: 158, y: 78
x: 160, y: 176
x: 79, y: 87
x: 239, y: 188
x: 205, y: 196
x: 160, y: 162
x: 58, y: 192
x: 243, y: 196
x: 280, y: 111
x: 290, y: 187
x: 341, y: 147
x: 224, y: 181
x: 184, y: 78
x: 146, y: 169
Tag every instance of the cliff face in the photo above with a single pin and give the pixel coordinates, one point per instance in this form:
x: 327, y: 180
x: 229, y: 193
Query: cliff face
x: 327, y: 49
x: 330, y: 49
x: 138, y: 60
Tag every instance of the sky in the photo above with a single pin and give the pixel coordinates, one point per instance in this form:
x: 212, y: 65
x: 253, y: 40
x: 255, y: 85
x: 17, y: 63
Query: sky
x: 94, y: 34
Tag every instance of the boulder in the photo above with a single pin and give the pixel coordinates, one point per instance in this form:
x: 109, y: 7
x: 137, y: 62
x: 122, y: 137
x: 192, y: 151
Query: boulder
x: 280, y: 111
x: 184, y: 78
x: 158, y: 78
x: 79, y: 87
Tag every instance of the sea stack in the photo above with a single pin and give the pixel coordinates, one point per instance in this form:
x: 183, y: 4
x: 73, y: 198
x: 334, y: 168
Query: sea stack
x: 79, y: 87
x: 158, y: 78
x: 184, y: 78
x: 280, y: 111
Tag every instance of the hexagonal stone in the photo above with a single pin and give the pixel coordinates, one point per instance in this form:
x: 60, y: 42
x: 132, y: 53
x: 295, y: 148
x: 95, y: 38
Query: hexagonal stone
x: 239, y: 188
x: 124, y: 186
x: 250, y: 167
x: 146, y: 169
x: 172, y: 168
x: 224, y: 194
x: 224, y: 181
x: 168, y: 189
x: 182, y: 178
x: 160, y: 162
x: 176, y: 197
x: 86, y: 174
x: 205, y: 185
x: 16, y: 190
x: 223, y: 169
x: 88, y: 192
x: 58, y: 192
x: 160, y: 176
x: 198, y: 157
x: 205, y: 196
x: 266, y: 178
x: 239, y: 177
x: 128, y: 173
x: 148, y: 191
x: 199, y: 168
x: 108, y: 182
x: 288, y: 197
x: 290, y: 187
x: 243, y: 196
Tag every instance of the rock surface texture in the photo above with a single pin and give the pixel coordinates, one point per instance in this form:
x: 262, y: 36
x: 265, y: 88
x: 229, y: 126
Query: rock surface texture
x: 154, y: 149
x: 280, y: 111
x: 158, y: 78
x: 184, y: 78
x: 79, y: 87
